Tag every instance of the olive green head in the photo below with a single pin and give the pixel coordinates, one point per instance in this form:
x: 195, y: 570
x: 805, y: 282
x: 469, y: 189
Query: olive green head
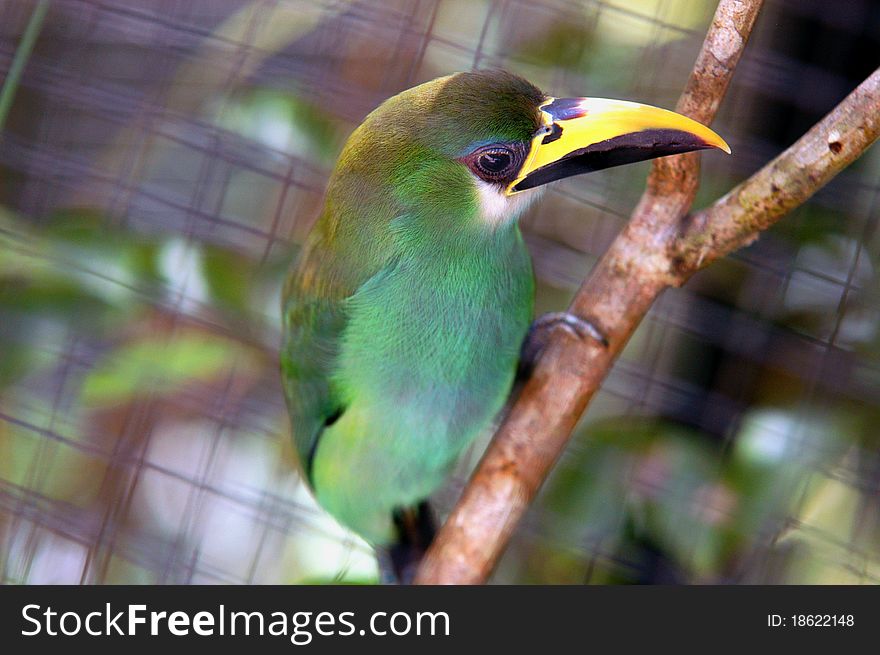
x: 472, y: 143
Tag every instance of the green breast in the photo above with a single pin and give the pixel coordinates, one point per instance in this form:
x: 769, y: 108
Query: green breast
x: 442, y: 334
x: 426, y: 362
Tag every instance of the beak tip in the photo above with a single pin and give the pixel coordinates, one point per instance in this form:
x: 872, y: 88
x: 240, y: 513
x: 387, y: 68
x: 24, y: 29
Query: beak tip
x: 716, y: 141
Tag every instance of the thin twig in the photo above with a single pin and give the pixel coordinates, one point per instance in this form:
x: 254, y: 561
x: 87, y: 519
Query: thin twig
x: 615, y: 298
x: 19, y: 61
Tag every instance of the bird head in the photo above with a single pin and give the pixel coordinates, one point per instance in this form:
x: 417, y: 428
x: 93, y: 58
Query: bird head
x: 498, y: 136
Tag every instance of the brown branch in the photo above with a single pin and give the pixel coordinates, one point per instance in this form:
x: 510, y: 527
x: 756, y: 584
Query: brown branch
x: 788, y: 181
x: 660, y: 247
x: 616, y: 296
x: 644, y: 259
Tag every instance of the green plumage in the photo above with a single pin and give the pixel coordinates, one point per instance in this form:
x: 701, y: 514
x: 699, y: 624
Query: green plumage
x: 404, y: 316
x: 406, y: 312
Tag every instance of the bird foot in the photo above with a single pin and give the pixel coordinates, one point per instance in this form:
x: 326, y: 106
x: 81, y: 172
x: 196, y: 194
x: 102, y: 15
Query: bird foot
x: 399, y: 562
x: 543, y: 327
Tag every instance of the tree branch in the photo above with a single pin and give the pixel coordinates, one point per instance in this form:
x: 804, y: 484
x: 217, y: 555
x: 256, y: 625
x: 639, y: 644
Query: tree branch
x: 658, y: 248
x: 788, y: 181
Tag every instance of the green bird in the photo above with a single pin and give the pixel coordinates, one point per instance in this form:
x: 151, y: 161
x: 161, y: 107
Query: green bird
x: 406, y: 312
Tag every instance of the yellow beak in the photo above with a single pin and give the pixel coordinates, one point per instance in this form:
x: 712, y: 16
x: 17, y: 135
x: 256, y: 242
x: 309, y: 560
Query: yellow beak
x: 581, y: 135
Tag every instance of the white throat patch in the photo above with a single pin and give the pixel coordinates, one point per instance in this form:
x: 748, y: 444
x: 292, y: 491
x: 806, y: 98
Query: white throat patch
x: 497, y: 208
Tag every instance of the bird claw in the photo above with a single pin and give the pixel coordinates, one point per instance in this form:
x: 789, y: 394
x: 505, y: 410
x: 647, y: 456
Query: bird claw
x: 574, y: 325
x: 541, y: 329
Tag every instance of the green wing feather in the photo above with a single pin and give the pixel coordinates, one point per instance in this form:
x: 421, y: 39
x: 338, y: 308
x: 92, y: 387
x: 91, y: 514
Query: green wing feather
x: 313, y: 328
x: 315, y: 317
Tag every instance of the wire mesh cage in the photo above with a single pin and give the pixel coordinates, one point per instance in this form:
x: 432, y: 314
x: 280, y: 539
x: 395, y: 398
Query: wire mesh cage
x: 160, y: 163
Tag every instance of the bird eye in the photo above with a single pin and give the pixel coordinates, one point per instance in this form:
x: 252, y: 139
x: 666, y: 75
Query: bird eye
x: 494, y: 163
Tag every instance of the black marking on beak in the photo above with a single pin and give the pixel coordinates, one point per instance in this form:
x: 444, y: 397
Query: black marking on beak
x: 555, y: 133
x: 623, y: 149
